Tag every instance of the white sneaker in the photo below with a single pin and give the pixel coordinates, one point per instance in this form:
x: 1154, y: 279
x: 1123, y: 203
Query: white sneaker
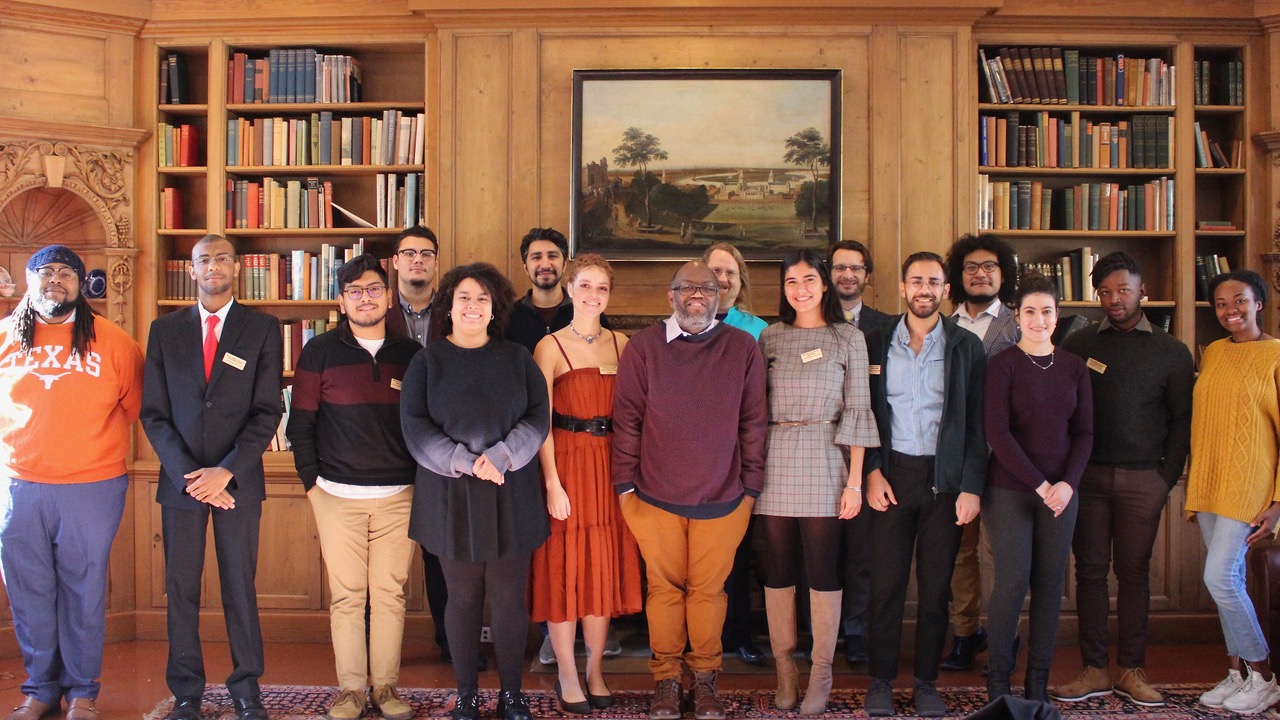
x: 547, y: 654
x: 1254, y: 696
x: 1223, y: 690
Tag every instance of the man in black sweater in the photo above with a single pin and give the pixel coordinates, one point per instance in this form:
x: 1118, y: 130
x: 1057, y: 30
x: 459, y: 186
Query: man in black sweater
x: 1142, y: 379
x: 350, y: 453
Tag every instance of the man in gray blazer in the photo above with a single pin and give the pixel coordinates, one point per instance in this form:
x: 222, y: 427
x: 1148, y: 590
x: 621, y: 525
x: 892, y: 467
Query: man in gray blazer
x: 210, y: 406
x: 983, y: 272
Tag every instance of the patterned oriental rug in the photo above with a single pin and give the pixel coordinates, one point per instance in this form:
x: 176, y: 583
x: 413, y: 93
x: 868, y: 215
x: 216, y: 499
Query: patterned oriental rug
x: 301, y: 702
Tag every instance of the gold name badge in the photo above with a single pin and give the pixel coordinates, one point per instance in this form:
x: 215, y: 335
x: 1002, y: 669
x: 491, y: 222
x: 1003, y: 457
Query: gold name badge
x: 873, y: 369
x: 1096, y: 366
x: 814, y: 354
x: 396, y: 384
x: 234, y: 361
x: 608, y: 369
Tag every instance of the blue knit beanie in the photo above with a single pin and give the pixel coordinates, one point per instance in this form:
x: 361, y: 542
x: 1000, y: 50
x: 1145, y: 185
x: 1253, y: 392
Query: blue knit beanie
x: 57, y: 254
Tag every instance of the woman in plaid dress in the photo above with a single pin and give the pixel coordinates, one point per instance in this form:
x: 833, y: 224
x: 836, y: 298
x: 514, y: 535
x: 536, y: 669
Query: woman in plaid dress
x: 821, y: 423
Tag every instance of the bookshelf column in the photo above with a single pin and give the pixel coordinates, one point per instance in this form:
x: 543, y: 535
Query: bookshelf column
x: 1270, y: 141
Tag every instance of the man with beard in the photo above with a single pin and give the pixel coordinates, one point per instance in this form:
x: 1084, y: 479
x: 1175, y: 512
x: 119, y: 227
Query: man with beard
x: 73, y: 385
x: 690, y: 421
x: 982, y: 271
x: 415, y: 264
x: 545, y: 308
x: 1142, y: 379
x: 210, y: 407
x: 350, y: 453
x: 926, y: 478
x: 851, y: 265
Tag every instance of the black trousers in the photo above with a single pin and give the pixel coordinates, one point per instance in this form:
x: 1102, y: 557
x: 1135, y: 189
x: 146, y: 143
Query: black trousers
x: 737, y: 620
x: 504, y: 582
x: 437, y: 594
x: 855, y: 569
x: 923, y: 523
x: 235, y: 540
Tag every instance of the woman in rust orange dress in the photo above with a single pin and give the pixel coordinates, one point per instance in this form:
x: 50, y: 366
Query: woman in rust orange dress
x: 589, y: 569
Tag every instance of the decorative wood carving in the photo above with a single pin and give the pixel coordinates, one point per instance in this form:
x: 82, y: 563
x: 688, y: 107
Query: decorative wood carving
x: 98, y: 176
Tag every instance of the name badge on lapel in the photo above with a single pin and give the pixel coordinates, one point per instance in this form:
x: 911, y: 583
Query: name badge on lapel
x: 396, y: 384
x: 873, y: 369
x: 233, y: 361
x: 814, y: 354
x: 1096, y: 366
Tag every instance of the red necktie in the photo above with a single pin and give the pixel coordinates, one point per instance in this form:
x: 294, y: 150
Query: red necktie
x: 210, y: 345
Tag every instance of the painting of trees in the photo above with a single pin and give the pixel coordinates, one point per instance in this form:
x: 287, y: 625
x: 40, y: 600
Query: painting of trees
x: 808, y: 149
x: 638, y: 149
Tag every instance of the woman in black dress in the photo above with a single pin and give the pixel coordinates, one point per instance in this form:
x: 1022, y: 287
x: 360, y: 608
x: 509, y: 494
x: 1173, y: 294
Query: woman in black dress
x: 475, y: 411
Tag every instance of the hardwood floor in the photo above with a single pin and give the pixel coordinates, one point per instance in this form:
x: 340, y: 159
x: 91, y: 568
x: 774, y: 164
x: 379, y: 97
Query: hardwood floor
x: 133, y: 673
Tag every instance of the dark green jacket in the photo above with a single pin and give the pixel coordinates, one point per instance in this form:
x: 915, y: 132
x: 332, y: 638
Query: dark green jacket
x: 961, y: 459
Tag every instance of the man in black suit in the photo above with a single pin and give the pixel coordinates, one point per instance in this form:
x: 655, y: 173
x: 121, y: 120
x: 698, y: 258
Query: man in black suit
x: 851, y: 265
x: 210, y: 406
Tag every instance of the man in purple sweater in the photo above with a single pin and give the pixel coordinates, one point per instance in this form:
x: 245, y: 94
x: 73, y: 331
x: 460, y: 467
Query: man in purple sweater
x: 690, y: 421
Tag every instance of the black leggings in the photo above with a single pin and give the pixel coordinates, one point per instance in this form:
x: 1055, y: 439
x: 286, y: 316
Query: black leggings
x: 504, y: 581
x: 786, y: 536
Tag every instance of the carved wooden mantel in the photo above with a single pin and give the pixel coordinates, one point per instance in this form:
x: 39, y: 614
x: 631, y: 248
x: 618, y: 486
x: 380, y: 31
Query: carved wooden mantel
x: 95, y: 163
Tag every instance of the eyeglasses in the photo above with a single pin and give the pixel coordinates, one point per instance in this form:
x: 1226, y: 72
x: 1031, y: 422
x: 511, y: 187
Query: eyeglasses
x: 689, y: 290
x: 410, y: 254
x: 931, y: 283
x: 837, y: 269
x: 204, y: 261
x: 354, y: 292
x: 63, y: 274
x: 990, y: 266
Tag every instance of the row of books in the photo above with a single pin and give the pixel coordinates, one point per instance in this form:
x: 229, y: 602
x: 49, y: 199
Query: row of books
x: 177, y: 145
x: 298, y: 333
x: 1209, y: 226
x: 1208, y: 266
x: 171, y: 215
x: 297, y: 275
x: 1032, y: 205
x: 174, y: 89
x: 1209, y: 153
x: 322, y: 139
x: 1219, y: 82
x: 1071, y: 273
x: 1145, y: 141
x: 293, y: 75
x: 1055, y: 76
x: 309, y: 203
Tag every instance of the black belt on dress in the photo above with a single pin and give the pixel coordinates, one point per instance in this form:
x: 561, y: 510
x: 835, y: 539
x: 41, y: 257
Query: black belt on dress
x: 598, y: 426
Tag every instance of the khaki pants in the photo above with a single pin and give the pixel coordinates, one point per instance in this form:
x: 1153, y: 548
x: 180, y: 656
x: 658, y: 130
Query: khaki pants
x: 367, y: 552
x: 687, y: 564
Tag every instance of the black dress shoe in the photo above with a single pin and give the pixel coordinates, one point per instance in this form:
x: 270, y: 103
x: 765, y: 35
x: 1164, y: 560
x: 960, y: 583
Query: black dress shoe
x: 467, y: 707
x: 855, y: 649
x: 964, y: 649
x: 582, y: 707
x: 185, y: 708
x: 250, y: 708
x: 513, y: 706
x: 749, y: 653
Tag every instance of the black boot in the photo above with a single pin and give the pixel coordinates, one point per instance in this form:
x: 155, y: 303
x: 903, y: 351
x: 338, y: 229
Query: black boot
x: 1037, y: 687
x: 513, y: 706
x: 964, y: 648
x: 467, y: 707
x: 997, y: 684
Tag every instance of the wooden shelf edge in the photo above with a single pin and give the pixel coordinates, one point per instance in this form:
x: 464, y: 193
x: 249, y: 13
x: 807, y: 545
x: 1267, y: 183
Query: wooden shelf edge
x: 352, y: 107
x: 1049, y: 234
x: 1090, y: 171
x: 1037, y: 107
x: 370, y: 170
x: 182, y: 169
x: 309, y: 232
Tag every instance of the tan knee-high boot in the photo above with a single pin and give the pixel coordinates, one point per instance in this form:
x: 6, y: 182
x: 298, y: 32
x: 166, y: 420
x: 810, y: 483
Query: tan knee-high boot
x: 780, y: 606
x: 824, y: 611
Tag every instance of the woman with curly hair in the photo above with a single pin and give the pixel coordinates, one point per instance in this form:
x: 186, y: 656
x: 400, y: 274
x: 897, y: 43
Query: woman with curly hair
x: 475, y: 412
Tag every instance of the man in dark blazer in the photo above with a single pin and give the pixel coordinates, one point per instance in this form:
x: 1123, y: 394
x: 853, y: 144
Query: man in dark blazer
x: 851, y: 266
x: 210, y: 407
x: 982, y: 271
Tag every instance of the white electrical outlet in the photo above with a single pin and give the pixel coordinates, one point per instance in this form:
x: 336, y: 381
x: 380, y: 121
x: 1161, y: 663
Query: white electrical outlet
x: 485, y: 635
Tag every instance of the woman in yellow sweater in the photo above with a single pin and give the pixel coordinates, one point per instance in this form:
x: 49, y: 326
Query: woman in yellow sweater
x: 1233, y: 489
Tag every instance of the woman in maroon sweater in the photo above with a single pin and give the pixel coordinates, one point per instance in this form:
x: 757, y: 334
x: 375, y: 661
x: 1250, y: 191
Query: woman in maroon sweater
x: 1039, y: 422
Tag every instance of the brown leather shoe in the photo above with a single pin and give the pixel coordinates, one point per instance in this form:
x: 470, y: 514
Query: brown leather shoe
x: 706, y: 703
x: 31, y: 709
x: 82, y: 709
x: 666, y: 700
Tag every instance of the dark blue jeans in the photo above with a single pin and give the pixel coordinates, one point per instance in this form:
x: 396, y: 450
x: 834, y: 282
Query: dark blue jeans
x: 55, y: 548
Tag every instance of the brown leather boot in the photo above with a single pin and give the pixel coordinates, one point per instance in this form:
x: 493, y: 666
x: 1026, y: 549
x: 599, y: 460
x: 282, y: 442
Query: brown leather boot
x: 706, y: 703
x: 666, y: 700
x: 82, y: 709
x: 780, y: 607
x: 824, y: 613
x: 32, y: 709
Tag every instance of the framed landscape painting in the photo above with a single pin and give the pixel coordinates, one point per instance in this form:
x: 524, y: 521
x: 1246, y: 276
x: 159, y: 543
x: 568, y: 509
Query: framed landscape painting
x: 667, y: 162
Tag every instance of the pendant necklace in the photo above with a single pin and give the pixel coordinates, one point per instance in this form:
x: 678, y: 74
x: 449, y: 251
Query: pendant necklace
x: 1033, y: 360
x: 589, y: 338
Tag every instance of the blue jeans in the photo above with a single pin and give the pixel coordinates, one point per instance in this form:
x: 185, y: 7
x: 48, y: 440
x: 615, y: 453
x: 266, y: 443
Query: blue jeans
x: 1224, y: 576
x: 55, y: 547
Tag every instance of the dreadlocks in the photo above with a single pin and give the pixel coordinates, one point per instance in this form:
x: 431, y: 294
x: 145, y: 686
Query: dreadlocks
x: 81, y: 335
